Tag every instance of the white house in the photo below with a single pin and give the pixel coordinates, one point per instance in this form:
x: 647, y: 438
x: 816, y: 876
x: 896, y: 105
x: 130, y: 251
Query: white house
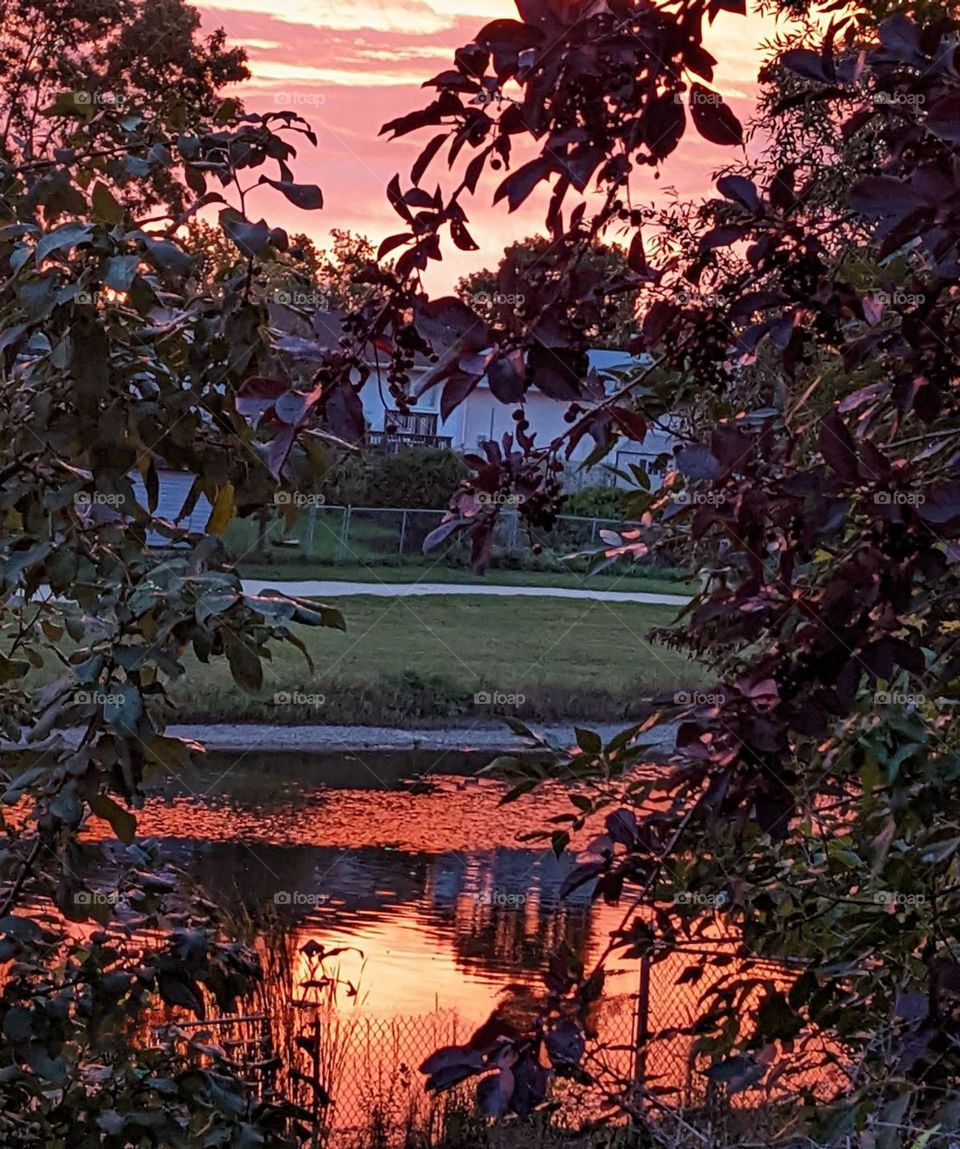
x: 481, y: 415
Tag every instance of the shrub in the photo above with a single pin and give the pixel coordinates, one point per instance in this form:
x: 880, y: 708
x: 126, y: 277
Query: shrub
x: 419, y: 478
x: 597, y: 503
x: 422, y: 478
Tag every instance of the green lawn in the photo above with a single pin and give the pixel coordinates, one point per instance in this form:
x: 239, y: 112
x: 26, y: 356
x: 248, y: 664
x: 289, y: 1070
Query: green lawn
x: 407, y: 660
x: 622, y: 579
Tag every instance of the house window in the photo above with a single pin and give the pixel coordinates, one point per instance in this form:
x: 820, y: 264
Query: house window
x: 414, y: 423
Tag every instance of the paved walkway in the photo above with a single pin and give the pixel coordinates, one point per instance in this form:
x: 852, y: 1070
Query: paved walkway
x: 328, y: 588
x: 239, y: 737
x: 496, y: 737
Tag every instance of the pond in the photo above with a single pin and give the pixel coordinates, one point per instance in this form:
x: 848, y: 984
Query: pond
x: 420, y: 899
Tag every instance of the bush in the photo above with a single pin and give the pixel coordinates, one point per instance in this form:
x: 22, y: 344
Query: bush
x: 597, y: 503
x: 419, y: 478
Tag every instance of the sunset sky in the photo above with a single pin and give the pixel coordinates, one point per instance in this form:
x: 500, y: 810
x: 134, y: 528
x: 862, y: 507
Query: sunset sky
x: 350, y: 66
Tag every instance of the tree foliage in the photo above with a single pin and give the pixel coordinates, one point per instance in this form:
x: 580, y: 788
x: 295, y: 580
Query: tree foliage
x: 536, y: 260
x: 113, y: 367
x: 805, y: 804
x: 804, y: 808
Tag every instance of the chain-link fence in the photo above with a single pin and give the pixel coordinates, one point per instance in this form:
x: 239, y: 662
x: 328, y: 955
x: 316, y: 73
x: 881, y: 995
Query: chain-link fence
x: 298, y: 534
x: 359, y: 1073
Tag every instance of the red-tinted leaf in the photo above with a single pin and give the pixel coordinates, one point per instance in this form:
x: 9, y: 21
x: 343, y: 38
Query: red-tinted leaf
x: 663, y: 125
x: 455, y: 390
x: 740, y: 190
x: 712, y: 118
x: 806, y: 63
x: 344, y: 413
x: 721, y: 236
x: 461, y: 237
x: 637, y: 257
x: 781, y: 190
x: 632, y: 423
x: 557, y: 371
x: 580, y: 165
x: 506, y: 382
x: 438, y: 534
x: 417, y: 197
x: 251, y: 238
x: 898, y: 35
x: 447, y: 320
x: 943, y: 118
x: 306, y: 196
x: 474, y: 170
x: 658, y: 320
x: 519, y: 184
x: 510, y: 34
x: 257, y: 394
x: 837, y: 447
x: 698, y: 462
x: 393, y: 241
x: 395, y: 196
x: 414, y: 120
x: 422, y: 162
x: 941, y: 503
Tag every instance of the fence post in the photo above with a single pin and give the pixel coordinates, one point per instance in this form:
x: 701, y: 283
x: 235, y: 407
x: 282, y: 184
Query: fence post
x: 263, y: 527
x: 514, y: 524
x: 311, y: 530
x: 593, y: 531
x: 640, y: 1043
x: 344, y: 535
x: 403, y: 531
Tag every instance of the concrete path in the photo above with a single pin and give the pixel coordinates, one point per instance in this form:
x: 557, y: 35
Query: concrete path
x: 239, y: 737
x: 496, y: 737
x: 325, y: 588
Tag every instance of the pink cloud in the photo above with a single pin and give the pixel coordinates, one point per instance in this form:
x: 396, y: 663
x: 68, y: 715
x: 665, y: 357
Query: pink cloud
x: 348, y: 76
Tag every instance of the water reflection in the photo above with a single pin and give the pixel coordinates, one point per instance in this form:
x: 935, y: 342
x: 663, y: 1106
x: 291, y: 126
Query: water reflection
x: 436, y: 915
